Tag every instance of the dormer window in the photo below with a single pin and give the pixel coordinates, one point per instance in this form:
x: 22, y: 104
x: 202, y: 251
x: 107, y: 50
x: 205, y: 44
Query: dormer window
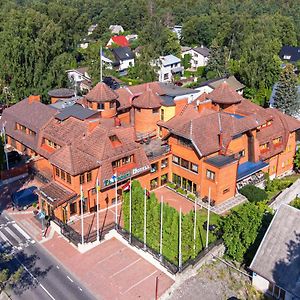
x: 100, y: 106
x: 277, y: 141
x: 115, y: 140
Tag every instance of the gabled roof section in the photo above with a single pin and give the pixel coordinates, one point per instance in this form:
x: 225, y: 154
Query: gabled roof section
x: 122, y: 53
x: 278, y: 256
x: 77, y: 111
x: 202, y: 50
x: 290, y: 51
x: 224, y: 94
x: 120, y: 40
x: 169, y: 60
x: 32, y: 115
x: 73, y: 160
x: 101, y: 93
x: 147, y: 100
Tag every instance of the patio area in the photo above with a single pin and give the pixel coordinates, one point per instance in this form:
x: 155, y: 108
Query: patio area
x: 174, y: 199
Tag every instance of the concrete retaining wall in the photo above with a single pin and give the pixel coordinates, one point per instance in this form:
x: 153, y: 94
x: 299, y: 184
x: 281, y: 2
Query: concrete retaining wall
x: 287, y: 195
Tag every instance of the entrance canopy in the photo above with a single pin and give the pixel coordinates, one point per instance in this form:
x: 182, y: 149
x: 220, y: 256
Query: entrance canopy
x: 248, y: 168
x: 55, y: 194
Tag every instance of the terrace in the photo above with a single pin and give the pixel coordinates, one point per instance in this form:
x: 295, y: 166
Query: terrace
x: 155, y: 148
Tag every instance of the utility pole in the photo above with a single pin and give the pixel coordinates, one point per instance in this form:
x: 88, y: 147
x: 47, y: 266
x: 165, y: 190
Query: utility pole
x: 97, y: 203
x: 161, y: 227
x: 116, y: 195
x: 81, y: 203
x: 101, y: 63
x: 208, y: 211
x: 179, y: 244
x: 195, y: 225
x: 5, y: 149
x: 145, y: 219
x: 130, y: 216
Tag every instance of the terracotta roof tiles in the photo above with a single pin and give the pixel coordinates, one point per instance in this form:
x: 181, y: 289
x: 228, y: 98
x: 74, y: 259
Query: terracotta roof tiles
x: 224, y: 94
x: 101, y: 93
x: 147, y: 100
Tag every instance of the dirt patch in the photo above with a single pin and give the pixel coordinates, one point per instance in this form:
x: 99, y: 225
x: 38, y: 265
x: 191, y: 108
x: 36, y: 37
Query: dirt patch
x: 216, y: 281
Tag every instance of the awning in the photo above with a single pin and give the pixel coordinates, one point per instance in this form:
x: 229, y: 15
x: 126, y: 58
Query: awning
x: 248, y: 168
x: 55, y: 194
x: 177, y: 69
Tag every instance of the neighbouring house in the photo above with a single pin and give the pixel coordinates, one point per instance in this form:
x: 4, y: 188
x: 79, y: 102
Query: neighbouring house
x: 168, y: 67
x: 116, y: 29
x: 80, y: 77
x: 199, y: 56
x: 290, y: 53
x: 92, y: 28
x: 154, y: 133
x: 276, y: 265
x: 118, y: 40
x: 61, y: 94
x: 124, y: 58
x: 210, y: 85
x: 177, y: 29
x: 131, y: 37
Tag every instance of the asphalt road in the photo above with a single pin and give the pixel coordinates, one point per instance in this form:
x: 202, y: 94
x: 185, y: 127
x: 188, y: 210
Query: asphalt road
x: 43, y: 277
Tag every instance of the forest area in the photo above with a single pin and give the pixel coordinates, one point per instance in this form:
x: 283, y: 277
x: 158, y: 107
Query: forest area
x: 39, y: 38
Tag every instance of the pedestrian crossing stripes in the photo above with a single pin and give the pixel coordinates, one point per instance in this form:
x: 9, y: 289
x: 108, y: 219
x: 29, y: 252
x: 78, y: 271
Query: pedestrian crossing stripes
x: 13, y: 238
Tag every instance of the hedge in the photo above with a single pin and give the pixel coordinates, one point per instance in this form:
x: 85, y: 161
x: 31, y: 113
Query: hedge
x: 253, y: 193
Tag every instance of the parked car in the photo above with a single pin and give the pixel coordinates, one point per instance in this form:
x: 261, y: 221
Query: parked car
x: 111, y: 82
x: 23, y: 199
x: 14, y: 157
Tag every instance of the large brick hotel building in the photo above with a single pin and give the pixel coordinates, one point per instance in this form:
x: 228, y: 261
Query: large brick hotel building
x: 153, y: 133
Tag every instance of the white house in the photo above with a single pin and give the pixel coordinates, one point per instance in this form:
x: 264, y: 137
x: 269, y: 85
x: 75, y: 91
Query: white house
x: 177, y: 29
x: 116, y: 29
x: 276, y: 264
x: 169, y: 66
x: 92, y: 28
x: 80, y: 78
x: 199, y: 56
x: 124, y: 58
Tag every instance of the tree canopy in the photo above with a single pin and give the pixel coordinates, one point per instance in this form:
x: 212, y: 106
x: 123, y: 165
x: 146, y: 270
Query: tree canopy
x: 39, y: 39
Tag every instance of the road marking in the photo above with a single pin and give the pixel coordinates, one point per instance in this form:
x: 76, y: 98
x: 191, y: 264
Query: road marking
x: 70, y: 279
x: 13, y: 235
x: 80, y: 288
x: 6, y: 218
x: 22, y: 231
x: 4, y: 237
x: 133, y: 286
x: 128, y: 266
x: 46, y: 291
x: 57, y: 267
x: 113, y: 254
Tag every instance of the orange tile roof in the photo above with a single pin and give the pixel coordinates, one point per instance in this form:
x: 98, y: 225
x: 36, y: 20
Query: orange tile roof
x: 101, y: 93
x: 147, y: 99
x: 224, y: 94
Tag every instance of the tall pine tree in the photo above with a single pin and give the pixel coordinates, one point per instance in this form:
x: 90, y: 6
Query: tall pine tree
x: 286, y: 98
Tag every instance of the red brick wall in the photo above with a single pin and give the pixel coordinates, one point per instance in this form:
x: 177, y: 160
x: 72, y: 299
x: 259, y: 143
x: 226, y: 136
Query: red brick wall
x: 146, y: 120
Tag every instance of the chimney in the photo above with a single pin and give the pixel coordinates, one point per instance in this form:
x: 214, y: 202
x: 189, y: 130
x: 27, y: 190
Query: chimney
x: 34, y: 98
x: 117, y: 122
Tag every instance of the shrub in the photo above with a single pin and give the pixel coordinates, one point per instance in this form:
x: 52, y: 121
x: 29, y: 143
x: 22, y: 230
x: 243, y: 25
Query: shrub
x: 191, y: 197
x: 181, y: 191
x: 253, y: 193
x: 171, y: 185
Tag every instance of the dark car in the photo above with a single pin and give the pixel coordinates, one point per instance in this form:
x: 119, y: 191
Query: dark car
x: 23, y: 199
x: 13, y: 157
x: 111, y: 82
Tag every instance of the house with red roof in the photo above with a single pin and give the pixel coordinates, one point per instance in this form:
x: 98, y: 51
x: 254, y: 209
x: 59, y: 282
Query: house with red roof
x: 119, y: 40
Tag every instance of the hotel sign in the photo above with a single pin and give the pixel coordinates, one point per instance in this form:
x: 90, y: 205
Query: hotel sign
x: 120, y: 177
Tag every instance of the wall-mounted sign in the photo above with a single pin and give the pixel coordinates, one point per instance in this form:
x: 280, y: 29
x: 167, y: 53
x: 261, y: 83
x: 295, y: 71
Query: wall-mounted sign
x: 133, y: 172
